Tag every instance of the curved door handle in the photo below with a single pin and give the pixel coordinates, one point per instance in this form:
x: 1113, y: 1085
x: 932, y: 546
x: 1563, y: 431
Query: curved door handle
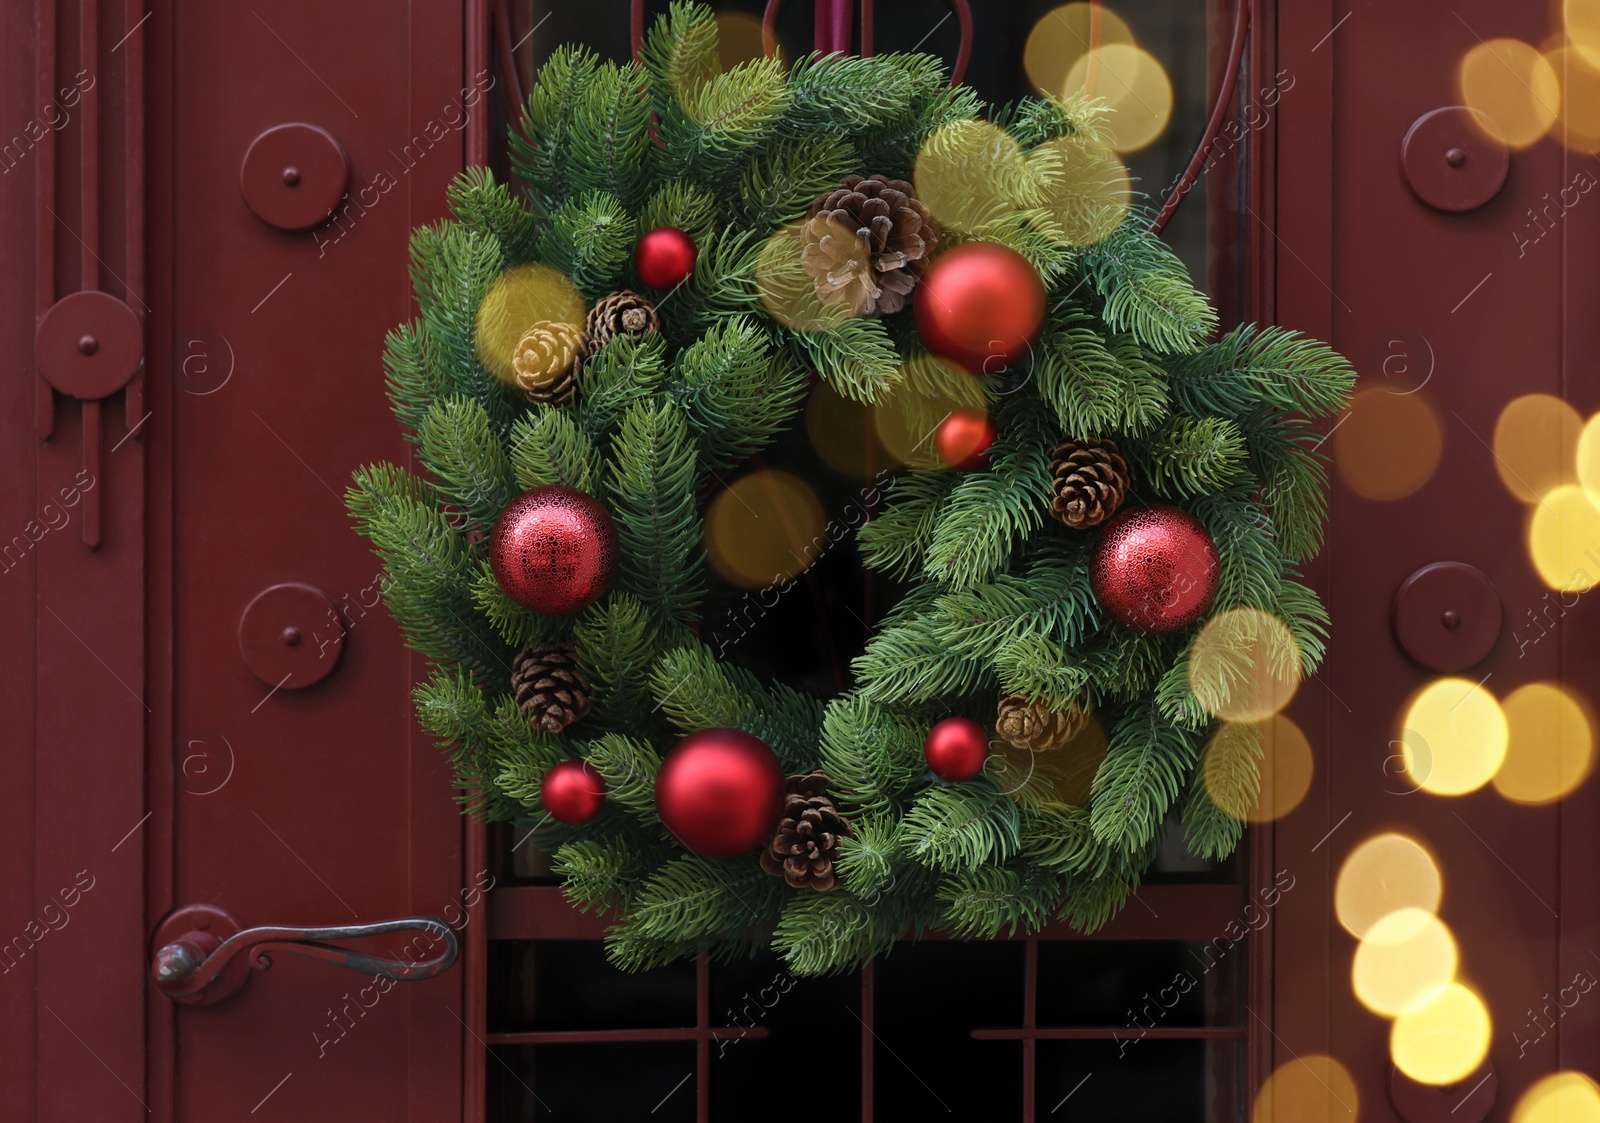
x: 204, y: 958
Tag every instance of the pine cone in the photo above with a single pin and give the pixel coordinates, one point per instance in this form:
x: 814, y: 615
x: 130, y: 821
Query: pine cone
x: 867, y: 243
x: 621, y: 313
x: 544, y: 361
x: 1035, y: 726
x: 806, y: 844
x: 1091, y: 481
x: 548, y: 687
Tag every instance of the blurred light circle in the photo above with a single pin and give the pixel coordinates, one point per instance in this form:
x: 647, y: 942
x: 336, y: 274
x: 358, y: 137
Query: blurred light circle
x: 1577, y: 125
x: 1388, y: 445
x: 1063, y: 36
x: 1244, y: 665
x: 1087, y: 188
x: 1443, y: 1041
x: 1313, y: 1088
x: 1587, y: 453
x: 1258, y: 772
x: 842, y: 433
x: 784, y: 287
x: 1403, y: 962
x: 764, y: 528
x: 1564, y: 539
x: 1514, y: 85
x: 1134, y: 86
x: 739, y: 38
x: 1386, y: 873
x: 1454, y: 737
x: 963, y: 171
x: 516, y: 300
x: 907, y: 418
x: 1061, y: 778
x: 1562, y: 1097
x: 1536, y: 444
x: 1551, y: 746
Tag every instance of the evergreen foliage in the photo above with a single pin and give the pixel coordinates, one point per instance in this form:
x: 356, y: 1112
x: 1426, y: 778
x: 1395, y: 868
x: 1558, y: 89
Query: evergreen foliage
x: 999, y: 598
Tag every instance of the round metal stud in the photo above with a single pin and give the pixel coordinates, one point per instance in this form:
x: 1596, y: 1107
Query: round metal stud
x: 89, y: 345
x: 294, y: 175
x: 291, y: 636
x: 1447, y: 616
x: 1453, y: 159
x: 1469, y: 1100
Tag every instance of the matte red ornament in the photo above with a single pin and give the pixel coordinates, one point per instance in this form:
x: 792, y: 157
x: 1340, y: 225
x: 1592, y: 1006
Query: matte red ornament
x: 573, y: 792
x: 963, y: 439
x: 664, y: 257
x: 1154, y: 568
x: 553, y: 550
x: 956, y: 749
x: 720, y: 792
x: 980, y: 305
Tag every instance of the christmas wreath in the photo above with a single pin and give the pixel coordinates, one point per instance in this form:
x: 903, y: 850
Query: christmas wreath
x: 1102, y: 483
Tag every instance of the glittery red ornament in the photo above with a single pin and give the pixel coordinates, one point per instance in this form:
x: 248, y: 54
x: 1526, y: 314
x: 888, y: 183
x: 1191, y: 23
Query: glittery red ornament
x: 553, y: 550
x: 573, y: 792
x: 720, y: 792
x: 980, y: 305
x: 1154, y: 568
x: 963, y: 439
x: 664, y: 257
x: 956, y: 749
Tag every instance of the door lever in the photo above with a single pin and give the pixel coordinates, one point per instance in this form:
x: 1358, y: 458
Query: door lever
x: 204, y: 958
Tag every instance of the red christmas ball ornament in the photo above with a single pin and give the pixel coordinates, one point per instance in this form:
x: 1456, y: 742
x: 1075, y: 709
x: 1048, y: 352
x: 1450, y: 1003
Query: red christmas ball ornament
x: 573, y: 792
x: 664, y: 257
x: 1154, y: 568
x: 980, y: 305
x: 720, y: 792
x: 553, y: 549
x: 956, y: 749
x: 963, y: 439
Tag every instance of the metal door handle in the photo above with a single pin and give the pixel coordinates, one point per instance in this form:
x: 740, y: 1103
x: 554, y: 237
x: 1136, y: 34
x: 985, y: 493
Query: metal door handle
x: 203, y: 958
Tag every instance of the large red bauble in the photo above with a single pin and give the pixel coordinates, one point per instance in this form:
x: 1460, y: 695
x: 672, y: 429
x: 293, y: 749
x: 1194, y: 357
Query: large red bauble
x: 664, y: 257
x: 963, y: 439
x: 956, y: 749
x: 1154, y: 568
x: 720, y: 792
x: 553, y: 549
x: 980, y: 305
x: 573, y: 792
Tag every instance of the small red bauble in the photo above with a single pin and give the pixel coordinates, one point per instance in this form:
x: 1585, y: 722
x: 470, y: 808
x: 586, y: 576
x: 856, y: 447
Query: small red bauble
x: 956, y: 749
x: 963, y: 439
x: 573, y: 792
x: 980, y: 305
x: 664, y: 257
x: 553, y: 550
x: 1154, y: 568
x: 720, y: 792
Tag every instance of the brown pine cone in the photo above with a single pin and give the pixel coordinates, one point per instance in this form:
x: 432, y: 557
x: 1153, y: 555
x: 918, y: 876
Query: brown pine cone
x: 548, y: 686
x: 867, y: 243
x: 544, y: 361
x: 806, y: 845
x: 1091, y: 481
x: 621, y: 313
x: 1035, y: 726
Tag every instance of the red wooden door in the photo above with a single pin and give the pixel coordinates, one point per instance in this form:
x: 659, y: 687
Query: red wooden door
x: 181, y: 736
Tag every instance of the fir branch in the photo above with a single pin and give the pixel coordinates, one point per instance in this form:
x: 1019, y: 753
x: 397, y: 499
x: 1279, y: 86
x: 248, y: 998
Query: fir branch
x: 611, y: 148
x: 959, y: 827
x: 992, y: 899
x: 735, y: 392
x: 516, y: 625
x: 600, y: 874
x: 872, y: 754
x: 1147, y: 291
x: 1189, y: 456
x: 469, y: 466
x: 625, y: 371
x: 696, y: 692
x: 548, y: 447
x: 452, y: 709
x: 658, y: 530
x: 487, y: 207
x: 1061, y: 839
x: 628, y: 766
x: 907, y: 663
x: 541, y: 148
x: 616, y: 648
x: 1272, y: 367
x: 1224, y: 790
x: 590, y: 239
x: 1140, y: 778
x: 896, y: 540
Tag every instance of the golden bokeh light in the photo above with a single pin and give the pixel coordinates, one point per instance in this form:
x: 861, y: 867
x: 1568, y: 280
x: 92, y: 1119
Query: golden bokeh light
x: 1403, y: 962
x: 764, y: 528
x: 1551, y: 746
x: 1443, y: 1041
x: 1087, y: 189
x: 1536, y: 445
x: 1065, y: 35
x: 1244, y: 665
x: 1587, y: 454
x: 842, y: 433
x: 1512, y: 84
x: 1454, y: 737
x: 784, y: 287
x: 1581, y: 22
x: 1388, y: 445
x: 1562, y: 1097
x: 928, y: 390
x: 516, y: 300
x: 1055, y: 779
x: 1135, y: 87
x: 963, y: 171
x: 1383, y: 875
x: 739, y: 38
x: 1577, y: 123
x: 1311, y: 1089
x: 1258, y: 772
x: 1564, y: 539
